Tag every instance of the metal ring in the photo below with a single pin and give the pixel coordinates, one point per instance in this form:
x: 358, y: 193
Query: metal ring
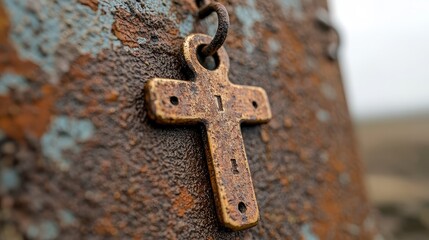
x: 222, y: 28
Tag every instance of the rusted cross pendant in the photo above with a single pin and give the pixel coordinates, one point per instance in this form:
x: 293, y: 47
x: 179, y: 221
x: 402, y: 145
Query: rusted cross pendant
x: 210, y: 98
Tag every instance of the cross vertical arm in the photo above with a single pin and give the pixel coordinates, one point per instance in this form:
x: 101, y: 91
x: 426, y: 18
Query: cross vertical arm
x: 230, y: 176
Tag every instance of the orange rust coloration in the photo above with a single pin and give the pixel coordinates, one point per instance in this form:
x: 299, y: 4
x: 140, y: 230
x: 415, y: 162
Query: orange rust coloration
x: 9, y: 59
x: 104, y: 226
x: 183, y: 202
x: 126, y: 29
x: 112, y: 96
x: 76, y: 68
x: 93, y: 4
x: 19, y: 119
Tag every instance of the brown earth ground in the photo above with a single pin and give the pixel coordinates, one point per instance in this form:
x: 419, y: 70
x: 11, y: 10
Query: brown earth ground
x: 396, y: 155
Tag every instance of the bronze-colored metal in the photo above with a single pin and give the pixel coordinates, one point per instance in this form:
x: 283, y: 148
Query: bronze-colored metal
x: 222, y: 28
x: 210, y: 98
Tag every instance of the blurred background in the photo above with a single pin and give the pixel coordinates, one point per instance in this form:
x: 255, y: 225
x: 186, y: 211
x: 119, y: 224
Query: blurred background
x: 384, y: 57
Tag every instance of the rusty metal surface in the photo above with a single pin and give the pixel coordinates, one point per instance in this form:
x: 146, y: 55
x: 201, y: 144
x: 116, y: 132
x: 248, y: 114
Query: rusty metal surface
x: 81, y: 160
x: 210, y: 98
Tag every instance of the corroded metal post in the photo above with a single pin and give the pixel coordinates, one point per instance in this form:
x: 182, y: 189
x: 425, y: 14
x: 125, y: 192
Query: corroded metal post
x: 80, y: 158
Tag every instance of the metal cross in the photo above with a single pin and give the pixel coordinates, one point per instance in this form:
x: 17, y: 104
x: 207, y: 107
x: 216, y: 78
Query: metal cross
x: 210, y: 98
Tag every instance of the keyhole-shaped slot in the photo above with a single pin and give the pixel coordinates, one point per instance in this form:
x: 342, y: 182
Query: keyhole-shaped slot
x: 234, y: 166
x: 219, y: 103
x: 242, y: 207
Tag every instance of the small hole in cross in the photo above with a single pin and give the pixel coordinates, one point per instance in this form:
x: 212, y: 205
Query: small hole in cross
x: 234, y: 166
x: 174, y: 100
x: 255, y: 104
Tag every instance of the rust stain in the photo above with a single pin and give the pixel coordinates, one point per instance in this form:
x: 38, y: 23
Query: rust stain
x: 126, y: 28
x: 104, y: 226
x: 183, y: 202
x: 93, y: 4
x: 112, y: 96
x: 18, y: 119
x: 77, y: 68
x: 332, y: 215
x: 9, y: 59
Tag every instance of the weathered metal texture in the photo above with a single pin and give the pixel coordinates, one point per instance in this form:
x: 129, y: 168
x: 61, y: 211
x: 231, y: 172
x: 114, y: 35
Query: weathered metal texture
x: 210, y: 98
x: 81, y: 160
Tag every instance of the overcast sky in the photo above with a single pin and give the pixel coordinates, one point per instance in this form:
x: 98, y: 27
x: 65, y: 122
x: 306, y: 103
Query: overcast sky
x: 384, y: 55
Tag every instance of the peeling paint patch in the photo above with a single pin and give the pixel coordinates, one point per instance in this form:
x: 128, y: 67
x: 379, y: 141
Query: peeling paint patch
x: 307, y: 233
x: 275, y: 48
x: 9, y: 80
x: 210, y: 23
x: 65, y: 134
x: 47, y: 230
x: 248, y: 16
x: 344, y: 179
x: 67, y: 218
x: 323, y: 116
x: 40, y: 29
x: 295, y: 5
x: 186, y: 26
x: 53, y: 33
x: 152, y: 7
x: 328, y: 91
x: 10, y: 179
x: 274, y: 45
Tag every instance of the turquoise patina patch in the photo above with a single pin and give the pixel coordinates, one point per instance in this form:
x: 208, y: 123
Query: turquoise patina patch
x: 65, y: 134
x: 10, y: 179
x: 248, y: 16
x: 46, y: 229
x: 292, y: 5
x: 40, y: 30
x: 274, y: 47
x: 10, y: 80
x: 307, y: 233
x: 53, y: 33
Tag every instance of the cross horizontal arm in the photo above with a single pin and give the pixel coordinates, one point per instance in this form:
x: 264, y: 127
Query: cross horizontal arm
x: 174, y: 101
x: 251, y: 104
